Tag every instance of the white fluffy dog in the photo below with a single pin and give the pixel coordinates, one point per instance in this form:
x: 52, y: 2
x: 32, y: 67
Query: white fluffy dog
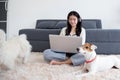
x: 13, y: 48
x: 96, y: 63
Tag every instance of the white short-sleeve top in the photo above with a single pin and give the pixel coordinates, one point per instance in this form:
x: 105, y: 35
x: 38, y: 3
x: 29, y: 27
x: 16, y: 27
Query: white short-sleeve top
x: 83, y: 34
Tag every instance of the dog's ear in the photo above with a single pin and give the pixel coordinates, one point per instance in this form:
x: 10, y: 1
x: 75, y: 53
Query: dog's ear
x: 93, y: 47
x: 23, y: 36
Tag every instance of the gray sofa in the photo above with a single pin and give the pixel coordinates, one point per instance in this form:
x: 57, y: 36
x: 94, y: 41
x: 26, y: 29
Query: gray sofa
x: 107, y: 40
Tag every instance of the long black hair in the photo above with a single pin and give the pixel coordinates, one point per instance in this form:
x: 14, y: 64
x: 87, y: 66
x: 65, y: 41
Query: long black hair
x: 79, y: 24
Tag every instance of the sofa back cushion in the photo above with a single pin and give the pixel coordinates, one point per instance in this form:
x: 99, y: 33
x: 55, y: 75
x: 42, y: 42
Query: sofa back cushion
x: 59, y: 24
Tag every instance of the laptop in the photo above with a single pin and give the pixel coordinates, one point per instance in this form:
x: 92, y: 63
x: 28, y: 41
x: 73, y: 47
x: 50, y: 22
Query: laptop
x: 66, y: 44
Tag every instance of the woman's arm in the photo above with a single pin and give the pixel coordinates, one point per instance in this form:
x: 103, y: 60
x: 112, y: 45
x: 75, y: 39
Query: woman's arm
x: 83, y: 35
x: 63, y: 31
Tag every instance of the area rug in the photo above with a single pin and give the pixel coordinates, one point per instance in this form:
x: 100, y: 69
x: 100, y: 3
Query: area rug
x: 38, y: 69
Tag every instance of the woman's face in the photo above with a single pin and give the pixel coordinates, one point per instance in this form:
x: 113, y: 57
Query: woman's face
x: 73, y: 20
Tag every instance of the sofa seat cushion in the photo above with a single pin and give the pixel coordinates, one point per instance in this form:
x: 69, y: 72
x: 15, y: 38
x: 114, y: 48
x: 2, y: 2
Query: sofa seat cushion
x: 107, y: 35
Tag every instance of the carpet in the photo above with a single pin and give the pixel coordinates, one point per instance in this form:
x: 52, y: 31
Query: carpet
x: 38, y: 69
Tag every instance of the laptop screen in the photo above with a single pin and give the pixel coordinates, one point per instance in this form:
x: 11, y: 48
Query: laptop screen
x: 64, y: 43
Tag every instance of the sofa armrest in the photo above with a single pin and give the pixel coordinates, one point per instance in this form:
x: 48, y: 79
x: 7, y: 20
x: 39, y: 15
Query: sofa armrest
x: 107, y: 40
x: 103, y: 35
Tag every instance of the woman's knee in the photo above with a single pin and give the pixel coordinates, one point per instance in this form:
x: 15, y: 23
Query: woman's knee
x: 47, y: 55
x: 77, y: 59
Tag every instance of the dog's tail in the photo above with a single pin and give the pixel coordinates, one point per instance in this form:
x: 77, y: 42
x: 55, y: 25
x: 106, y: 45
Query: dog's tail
x: 2, y: 37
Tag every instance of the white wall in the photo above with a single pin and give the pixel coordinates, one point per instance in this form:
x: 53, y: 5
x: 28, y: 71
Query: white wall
x: 24, y: 13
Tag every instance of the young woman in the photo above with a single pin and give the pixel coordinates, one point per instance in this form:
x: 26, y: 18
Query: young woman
x: 74, y: 28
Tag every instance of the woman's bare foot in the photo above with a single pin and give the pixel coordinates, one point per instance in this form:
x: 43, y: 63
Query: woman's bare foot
x: 53, y: 62
x: 68, y: 61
